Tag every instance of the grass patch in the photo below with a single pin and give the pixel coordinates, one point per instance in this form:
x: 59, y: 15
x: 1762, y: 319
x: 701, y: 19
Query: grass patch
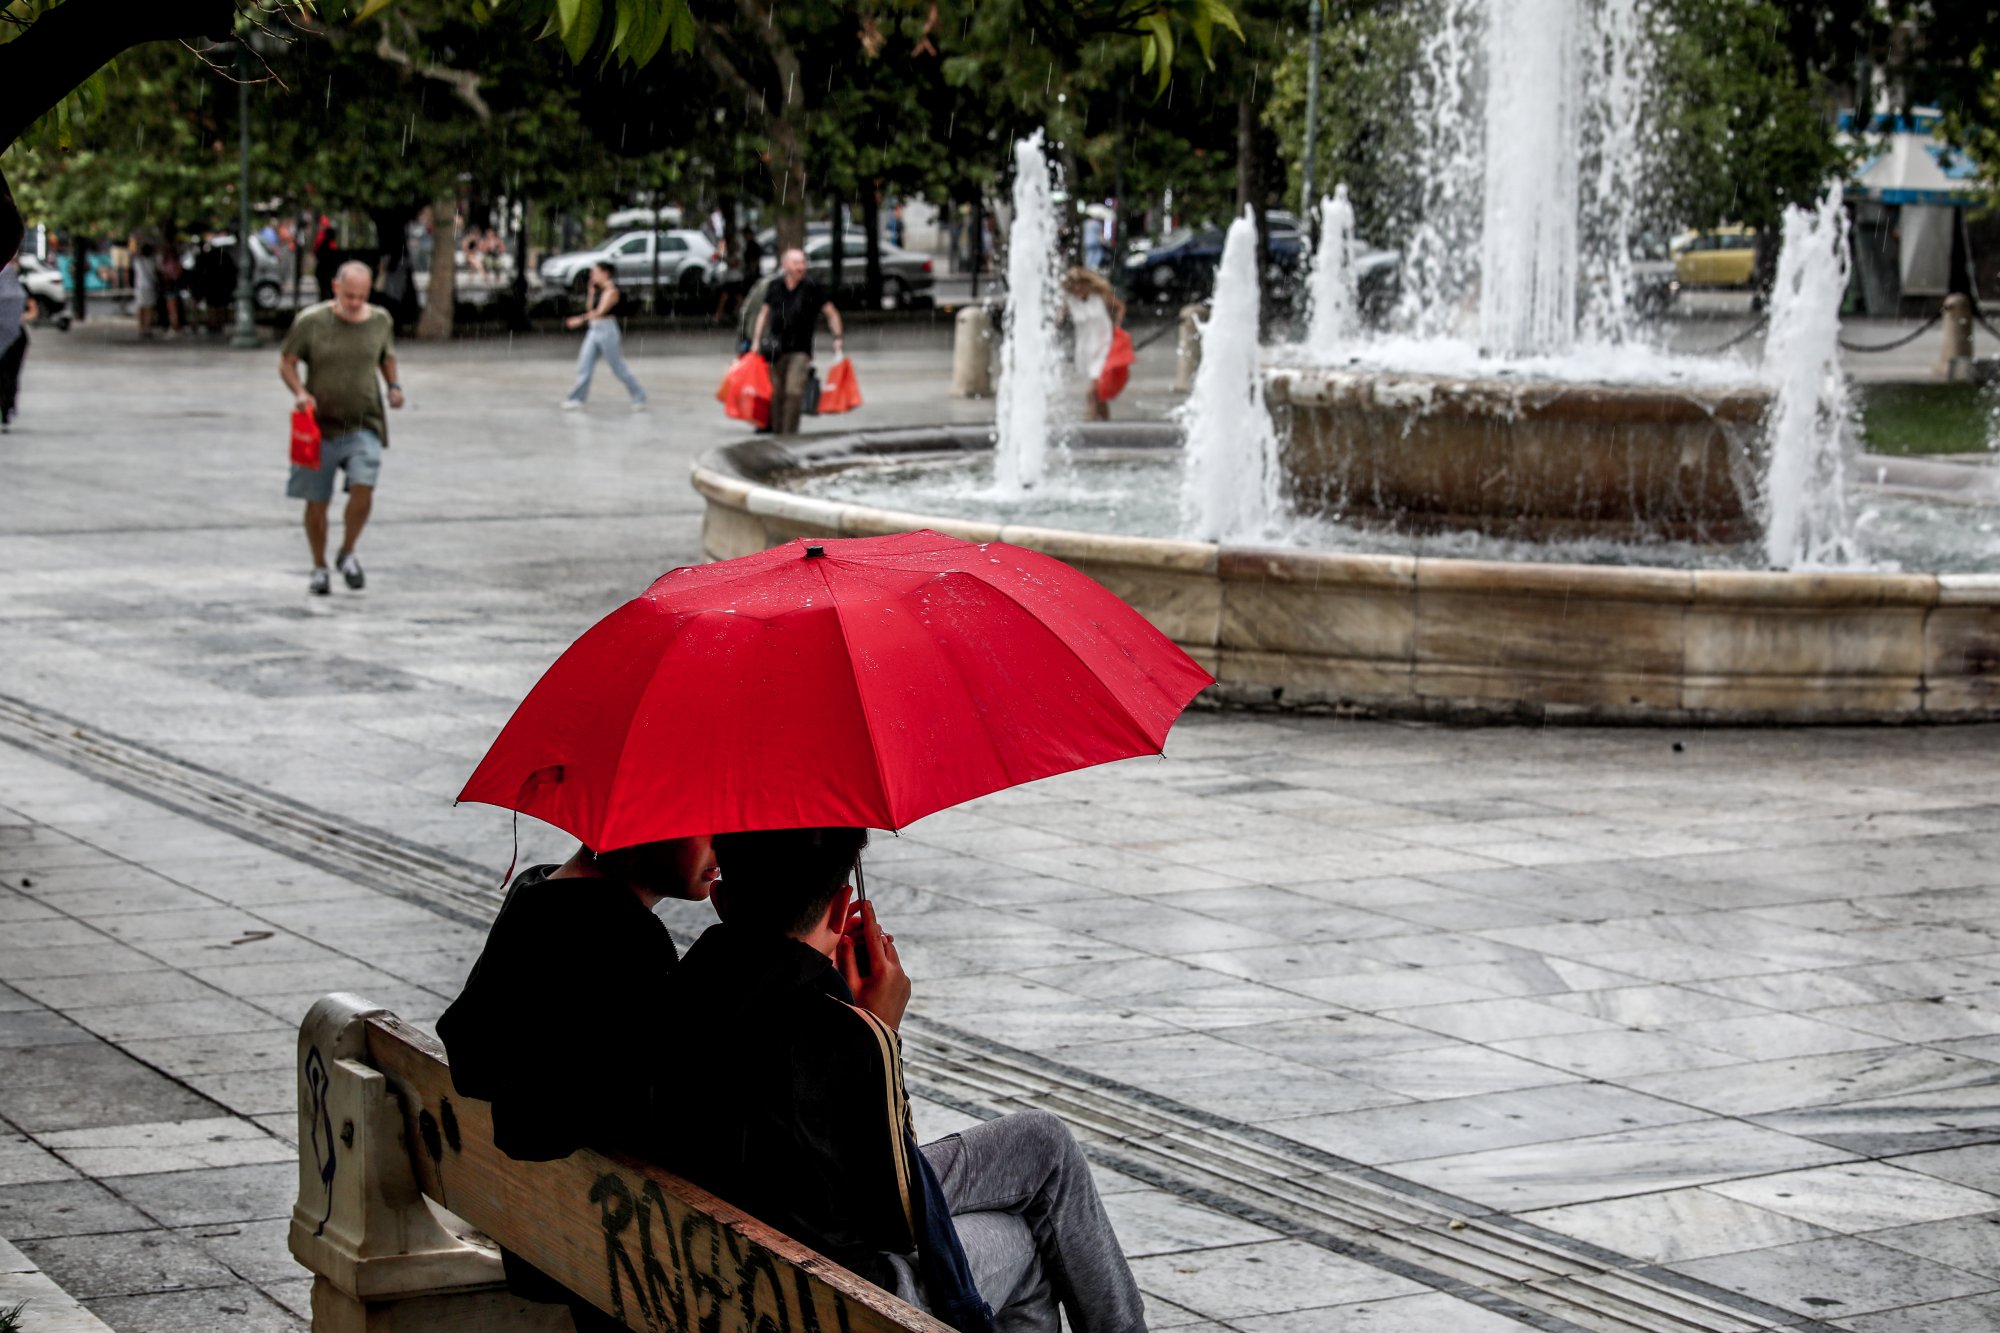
x: 1926, y: 418
x: 10, y: 1320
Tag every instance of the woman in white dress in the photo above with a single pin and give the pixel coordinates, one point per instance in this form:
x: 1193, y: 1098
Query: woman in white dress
x: 145, y: 286
x: 1093, y: 310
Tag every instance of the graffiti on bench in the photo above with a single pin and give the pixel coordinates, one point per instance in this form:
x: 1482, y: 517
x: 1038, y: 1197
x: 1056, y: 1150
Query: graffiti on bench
x: 717, y: 1265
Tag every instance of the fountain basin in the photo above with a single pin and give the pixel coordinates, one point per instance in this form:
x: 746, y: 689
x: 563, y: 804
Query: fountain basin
x: 1423, y: 636
x: 1526, y: 459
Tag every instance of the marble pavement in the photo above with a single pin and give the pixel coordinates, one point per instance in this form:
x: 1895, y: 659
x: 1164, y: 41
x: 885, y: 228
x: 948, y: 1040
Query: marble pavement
x: 1369, y: 1025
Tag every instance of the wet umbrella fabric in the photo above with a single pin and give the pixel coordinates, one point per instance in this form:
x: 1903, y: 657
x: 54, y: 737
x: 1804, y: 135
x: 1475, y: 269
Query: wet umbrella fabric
x: 862, y: 682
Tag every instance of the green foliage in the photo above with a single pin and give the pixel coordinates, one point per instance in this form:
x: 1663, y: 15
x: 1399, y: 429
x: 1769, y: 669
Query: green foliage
x: 1744, y: 134
x: 1364, y: 138
x: 170, y: 165
x: 10, y: 1318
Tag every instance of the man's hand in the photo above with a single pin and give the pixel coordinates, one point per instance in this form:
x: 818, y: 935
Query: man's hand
x: 395, y: 397
x: 885, y: 991
x: 305, y: 402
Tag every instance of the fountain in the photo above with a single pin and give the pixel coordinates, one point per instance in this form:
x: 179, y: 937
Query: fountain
x: 1231, y: 476
x: 1030, y: 360
x: 1508, y: 505
x: 1334, y: 315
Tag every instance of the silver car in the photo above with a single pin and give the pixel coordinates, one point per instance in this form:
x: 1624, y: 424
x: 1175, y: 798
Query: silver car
x: 907, y: 275
x: 684, y: 259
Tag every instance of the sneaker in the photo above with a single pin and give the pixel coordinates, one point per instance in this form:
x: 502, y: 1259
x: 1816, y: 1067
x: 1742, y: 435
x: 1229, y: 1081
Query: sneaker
x: 572, y: 405
x: 322, y: 581
x: 350, y: 569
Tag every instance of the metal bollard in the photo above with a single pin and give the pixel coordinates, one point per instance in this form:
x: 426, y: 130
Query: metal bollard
x: 1188, y: 348
x: 972, y: 353
x: 1955, y: 357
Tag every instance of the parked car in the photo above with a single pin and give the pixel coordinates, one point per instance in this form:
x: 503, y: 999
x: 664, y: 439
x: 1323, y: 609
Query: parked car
x: 45, y: 284
x: 273, y: 283
x: 1725, y: 257
x: 685, y: 259
x: 907, y: 275
x: 1181, y: 267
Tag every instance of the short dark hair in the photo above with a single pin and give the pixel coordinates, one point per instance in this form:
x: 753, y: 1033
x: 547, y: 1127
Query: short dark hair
x: 610, y: 269
x: 781, y: 881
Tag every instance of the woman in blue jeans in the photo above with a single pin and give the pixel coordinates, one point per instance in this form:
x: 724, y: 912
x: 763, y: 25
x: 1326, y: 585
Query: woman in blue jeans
x: 601, y: 340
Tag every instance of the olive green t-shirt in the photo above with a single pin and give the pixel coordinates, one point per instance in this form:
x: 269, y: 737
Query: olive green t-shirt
x: 341, y: 362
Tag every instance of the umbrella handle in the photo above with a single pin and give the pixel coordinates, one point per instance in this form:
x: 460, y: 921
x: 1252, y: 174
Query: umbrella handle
x: 863, y: 962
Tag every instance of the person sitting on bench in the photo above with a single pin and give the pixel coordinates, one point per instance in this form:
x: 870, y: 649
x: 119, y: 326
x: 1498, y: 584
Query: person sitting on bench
x: 801, y: 1118
x: 575, y: 964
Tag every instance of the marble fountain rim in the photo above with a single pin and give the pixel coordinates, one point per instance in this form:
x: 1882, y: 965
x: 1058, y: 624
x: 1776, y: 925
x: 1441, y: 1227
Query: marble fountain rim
x: 1451, y: 637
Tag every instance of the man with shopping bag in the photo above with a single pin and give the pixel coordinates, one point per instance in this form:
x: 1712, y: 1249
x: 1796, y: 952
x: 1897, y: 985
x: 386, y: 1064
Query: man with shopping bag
x: 344, y: 344
x: 784, y: 337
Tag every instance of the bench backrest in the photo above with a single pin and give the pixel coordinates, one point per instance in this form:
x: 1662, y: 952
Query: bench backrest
x: 638, y: 1242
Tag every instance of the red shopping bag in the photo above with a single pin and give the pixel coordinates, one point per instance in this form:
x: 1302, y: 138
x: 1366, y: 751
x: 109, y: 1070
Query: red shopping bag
x: 305, y: 439
x: 1117, y: 367
x: 746, y: 390
x: 841, y: 392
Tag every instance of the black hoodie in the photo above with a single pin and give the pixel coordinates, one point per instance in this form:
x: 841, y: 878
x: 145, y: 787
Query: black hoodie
x: 558, y: 1024
x: 793, y: 1108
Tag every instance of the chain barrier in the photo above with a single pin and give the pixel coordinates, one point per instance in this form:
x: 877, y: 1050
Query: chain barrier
x: 1744, y: 336
x: 1904, y: 341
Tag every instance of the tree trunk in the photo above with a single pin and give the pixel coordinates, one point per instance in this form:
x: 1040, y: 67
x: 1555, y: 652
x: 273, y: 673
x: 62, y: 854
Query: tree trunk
x: 871, y: 226
x: 788, y: 162
x: 441, y: 300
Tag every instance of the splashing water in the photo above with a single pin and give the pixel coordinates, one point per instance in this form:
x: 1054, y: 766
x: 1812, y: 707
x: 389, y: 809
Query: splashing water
x: 1030, y: 361
x: 1335, y: 316
x: 1528, y: 243
x: 1229, y: 485
x: 1531, y: 160
x: 1806, y: 520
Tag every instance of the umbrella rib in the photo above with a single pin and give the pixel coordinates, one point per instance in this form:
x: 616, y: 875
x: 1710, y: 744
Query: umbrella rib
x: 1070, y: 648
x: 860, y: 704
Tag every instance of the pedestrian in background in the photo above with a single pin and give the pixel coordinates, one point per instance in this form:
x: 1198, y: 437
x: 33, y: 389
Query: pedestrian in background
x: 601, y: 339
x: 173, y: 286
x: 791, y: 311
x: 17, y: 308
x: 145, y: 287
x: 1093, y: 311
x: 344, y: 344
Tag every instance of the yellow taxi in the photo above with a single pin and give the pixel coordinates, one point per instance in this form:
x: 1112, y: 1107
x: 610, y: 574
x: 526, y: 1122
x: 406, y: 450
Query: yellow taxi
x: 1720, y: 258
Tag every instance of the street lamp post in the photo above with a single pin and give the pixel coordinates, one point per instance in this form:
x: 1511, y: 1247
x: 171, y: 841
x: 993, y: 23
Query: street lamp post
x: 245, y: 333
x: 1313, y: 23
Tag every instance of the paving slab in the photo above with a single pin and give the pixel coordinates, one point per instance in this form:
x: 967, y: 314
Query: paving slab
x: 1730, y: 1008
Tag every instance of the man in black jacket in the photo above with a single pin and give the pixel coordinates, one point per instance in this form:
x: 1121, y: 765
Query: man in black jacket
x: 545, y: 1026
x: 802, y: 1119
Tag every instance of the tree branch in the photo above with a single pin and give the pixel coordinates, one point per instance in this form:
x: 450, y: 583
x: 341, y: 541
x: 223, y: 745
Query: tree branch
x: 464, y: 83
x: 74, y: 40
x: 67, y: 45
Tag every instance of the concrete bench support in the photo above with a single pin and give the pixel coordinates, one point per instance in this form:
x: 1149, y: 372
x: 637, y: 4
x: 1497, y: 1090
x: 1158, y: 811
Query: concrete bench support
x: 404, y: 1201
x: 384, y: 1260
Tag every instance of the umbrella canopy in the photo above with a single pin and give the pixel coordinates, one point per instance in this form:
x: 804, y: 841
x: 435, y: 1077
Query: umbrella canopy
x: 864, y: 682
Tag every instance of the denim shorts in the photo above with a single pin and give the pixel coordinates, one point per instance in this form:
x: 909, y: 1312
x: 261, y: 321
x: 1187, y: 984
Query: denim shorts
x: 359, y: 452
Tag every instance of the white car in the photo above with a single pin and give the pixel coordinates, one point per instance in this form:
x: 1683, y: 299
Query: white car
x: 45, y: 283
x: 684, y: 261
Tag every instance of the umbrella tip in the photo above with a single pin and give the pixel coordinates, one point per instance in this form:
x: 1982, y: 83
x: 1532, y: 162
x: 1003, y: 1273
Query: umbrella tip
x: 812, y: 551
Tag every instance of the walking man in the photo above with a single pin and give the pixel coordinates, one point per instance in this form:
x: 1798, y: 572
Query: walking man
x: 792, y: 308
x: 344, y: 343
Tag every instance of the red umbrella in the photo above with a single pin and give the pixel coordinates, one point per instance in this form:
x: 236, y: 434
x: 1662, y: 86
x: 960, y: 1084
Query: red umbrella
x: 864, y: 682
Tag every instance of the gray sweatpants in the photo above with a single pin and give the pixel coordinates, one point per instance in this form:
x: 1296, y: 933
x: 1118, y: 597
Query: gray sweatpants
x: 1033, y: 1228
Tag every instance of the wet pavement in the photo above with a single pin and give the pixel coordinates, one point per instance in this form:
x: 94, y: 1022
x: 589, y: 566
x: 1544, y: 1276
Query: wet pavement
x: 1371, y: 1025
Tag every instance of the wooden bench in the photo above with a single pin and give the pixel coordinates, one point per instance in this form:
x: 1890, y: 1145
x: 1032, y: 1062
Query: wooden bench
x: 404, y: 1200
